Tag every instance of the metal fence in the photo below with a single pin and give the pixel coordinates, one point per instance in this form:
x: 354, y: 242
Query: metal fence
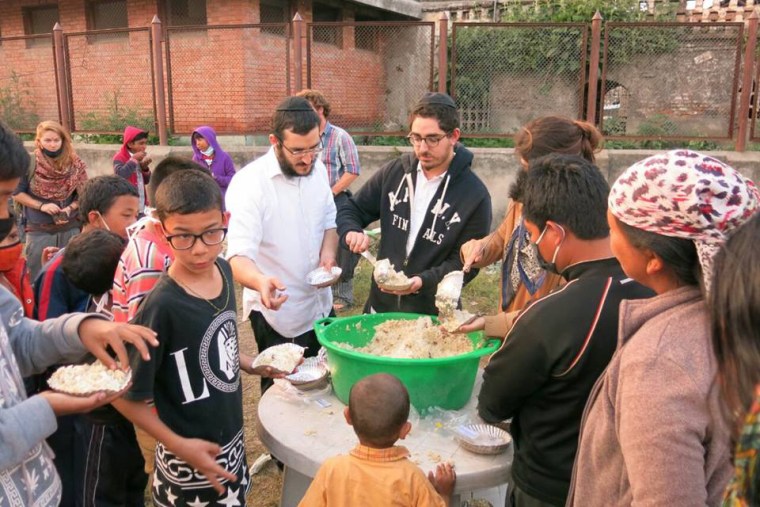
x: 372, y: 72
x: 110, y: 80
x: 27, y: 81
x: 229, y: 76
x: 505, y: 74
x: 670, y: 80
x: 643, y: 81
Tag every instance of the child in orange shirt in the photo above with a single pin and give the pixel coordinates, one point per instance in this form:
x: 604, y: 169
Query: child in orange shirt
x: 377, y: 472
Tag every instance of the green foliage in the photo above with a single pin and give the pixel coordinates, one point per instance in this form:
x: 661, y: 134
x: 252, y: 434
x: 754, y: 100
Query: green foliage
x: 115, y: 118
x: 658, y: 125
x: 16, y: 109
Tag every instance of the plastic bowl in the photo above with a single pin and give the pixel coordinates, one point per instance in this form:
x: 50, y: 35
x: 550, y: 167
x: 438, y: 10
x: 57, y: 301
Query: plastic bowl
x: 445, y: 382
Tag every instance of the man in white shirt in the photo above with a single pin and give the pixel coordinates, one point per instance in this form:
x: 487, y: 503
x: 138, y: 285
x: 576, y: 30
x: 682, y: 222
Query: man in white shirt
x: 429, y: 202
x: 282, y: 226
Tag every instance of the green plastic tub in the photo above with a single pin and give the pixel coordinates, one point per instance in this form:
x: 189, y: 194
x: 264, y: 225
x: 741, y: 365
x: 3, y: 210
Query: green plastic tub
x: 442, y: 382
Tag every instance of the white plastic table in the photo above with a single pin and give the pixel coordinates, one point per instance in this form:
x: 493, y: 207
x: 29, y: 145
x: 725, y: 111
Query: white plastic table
x: 302, y: 434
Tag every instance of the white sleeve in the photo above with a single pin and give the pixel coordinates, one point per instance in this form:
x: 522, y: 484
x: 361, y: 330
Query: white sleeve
x: 243, y: 200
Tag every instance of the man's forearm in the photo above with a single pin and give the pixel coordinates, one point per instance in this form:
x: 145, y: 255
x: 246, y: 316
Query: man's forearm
x: 329, y: 244
x: 246, y: 272
x: 343, y: 183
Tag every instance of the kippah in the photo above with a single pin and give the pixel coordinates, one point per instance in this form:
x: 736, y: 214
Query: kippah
x: 295, y: 104
x: 439, y: 99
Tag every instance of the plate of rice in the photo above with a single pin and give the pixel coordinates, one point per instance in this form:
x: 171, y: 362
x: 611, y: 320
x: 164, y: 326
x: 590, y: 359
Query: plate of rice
x: 88, y: 379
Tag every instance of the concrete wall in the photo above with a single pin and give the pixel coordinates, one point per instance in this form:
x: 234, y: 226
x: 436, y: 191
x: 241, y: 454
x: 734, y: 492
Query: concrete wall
x: 496, y: 167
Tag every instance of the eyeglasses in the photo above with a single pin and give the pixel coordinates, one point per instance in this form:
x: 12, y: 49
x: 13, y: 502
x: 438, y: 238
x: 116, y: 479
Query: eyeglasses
x: 316, y: 150
x: 210, y: 237
x: 430, y: 141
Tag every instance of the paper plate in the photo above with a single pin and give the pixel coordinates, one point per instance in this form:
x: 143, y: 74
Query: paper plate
x: 320, y: 277
x: 283, y: 357
x: 386, y: 286
x: 308, y: 377
x: 483, y: 438
x: 88, y: 379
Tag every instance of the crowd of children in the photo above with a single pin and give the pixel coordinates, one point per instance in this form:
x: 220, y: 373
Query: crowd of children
x: 620, y: 307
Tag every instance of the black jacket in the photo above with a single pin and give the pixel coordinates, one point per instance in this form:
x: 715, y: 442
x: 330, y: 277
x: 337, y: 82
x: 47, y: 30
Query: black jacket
x: 465, y: 214
x: 543, y: 373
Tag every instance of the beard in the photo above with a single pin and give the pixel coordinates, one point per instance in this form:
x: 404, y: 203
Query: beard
x: 287, y: 169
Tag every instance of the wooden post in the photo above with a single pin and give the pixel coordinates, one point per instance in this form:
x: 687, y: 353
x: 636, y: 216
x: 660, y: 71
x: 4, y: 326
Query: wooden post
x: 156, y: 36
x: 744, y: 105
x: 298, y: 63
x: 59, y: 59
x: 593, y: 67
x: 443, y: 43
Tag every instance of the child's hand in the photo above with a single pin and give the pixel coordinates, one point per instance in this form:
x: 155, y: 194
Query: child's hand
x: 444, y: 479
x: 48, y: 252
x: 201, y: 455
x: 65, y: 404
x: 100, y: 334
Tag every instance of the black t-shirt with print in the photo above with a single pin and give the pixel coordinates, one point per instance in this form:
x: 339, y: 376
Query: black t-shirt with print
x: 193, y: 378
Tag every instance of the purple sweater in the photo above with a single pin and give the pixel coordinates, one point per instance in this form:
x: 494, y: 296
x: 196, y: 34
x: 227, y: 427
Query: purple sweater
x: 222, y: 168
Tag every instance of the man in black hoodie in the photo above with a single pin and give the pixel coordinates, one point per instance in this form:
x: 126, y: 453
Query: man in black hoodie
x: 428, y: 202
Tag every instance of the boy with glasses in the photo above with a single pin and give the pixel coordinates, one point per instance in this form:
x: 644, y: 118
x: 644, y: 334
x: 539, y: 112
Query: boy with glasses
x: 193, y: 377
x: 282, y: 226
x: 429, y: 204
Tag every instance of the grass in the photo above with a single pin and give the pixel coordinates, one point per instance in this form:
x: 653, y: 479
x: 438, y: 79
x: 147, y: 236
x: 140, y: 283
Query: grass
x: 480, y: 295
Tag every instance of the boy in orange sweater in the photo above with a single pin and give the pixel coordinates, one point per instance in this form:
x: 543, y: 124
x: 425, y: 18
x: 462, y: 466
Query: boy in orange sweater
x: 377, y: 472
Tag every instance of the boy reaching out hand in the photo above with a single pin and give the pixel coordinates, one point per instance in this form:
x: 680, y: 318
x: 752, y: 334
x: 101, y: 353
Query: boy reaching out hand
x: 193, y: 377
x: 377, y: 472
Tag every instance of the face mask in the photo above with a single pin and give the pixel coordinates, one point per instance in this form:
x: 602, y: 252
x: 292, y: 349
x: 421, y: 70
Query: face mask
x: 208, y: 151
x: 52, y: 154
x: 6, y: 224
x: 9, y: 256
x: 550, y: 267
x: 105, y: 224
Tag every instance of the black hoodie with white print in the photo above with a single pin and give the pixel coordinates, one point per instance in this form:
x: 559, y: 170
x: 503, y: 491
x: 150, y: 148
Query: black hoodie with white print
x: 459, y: 211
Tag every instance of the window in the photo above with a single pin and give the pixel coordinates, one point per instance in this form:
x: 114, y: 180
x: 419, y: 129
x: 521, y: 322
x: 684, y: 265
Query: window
x: 185, y: 12
x: 366, y: 37
x: 104, y: 15
x: 328, y: 34
x: 274, y: 11
x: 40, y: 20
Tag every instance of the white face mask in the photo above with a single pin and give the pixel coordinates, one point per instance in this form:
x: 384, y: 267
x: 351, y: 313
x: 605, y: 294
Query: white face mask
x: 105, y: 224
x: 208, y: 151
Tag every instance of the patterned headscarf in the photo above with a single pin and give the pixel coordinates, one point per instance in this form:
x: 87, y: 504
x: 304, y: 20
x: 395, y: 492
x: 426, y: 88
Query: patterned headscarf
x: 685, y: 194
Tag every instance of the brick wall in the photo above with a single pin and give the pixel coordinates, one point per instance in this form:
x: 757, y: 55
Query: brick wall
x: 229, y: 78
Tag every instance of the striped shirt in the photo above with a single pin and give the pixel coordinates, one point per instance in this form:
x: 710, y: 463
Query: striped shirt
x: 339, y: 155
x: 143, y: 262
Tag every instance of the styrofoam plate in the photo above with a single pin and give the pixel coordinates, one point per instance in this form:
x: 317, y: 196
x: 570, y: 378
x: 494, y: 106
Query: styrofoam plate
x: 483, y: 438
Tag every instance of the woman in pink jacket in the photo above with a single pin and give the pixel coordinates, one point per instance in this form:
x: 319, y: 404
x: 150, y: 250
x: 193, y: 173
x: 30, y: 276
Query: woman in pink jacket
x: 652, y: 432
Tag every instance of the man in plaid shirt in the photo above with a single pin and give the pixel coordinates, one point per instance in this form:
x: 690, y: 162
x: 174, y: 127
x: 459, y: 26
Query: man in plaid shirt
x: 342, y: 162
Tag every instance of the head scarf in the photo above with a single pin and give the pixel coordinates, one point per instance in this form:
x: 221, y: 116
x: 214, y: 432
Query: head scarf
x: 685, y: 194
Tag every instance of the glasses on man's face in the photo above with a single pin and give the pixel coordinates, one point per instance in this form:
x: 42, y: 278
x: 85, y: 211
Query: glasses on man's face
x: 430, y: 141
x: 210, y: 237
x: 314, y: 150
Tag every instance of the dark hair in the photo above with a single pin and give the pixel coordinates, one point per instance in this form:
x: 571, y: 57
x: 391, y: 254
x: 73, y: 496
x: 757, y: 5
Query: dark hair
x: 186, y: 192
x: 556, y: 134
x: 99, y: 194
x: 197, y: 135
x: 569, y: 190
x: 379, y: 407
x: 139, y: 137
x: 292, y: 114
x: 14, y: 159
x: 90, y: 260
x: 447, y: 117
x: 678, y: 254
x: 734, y: 302
x: 167, y: 166
x: 316, y: 99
